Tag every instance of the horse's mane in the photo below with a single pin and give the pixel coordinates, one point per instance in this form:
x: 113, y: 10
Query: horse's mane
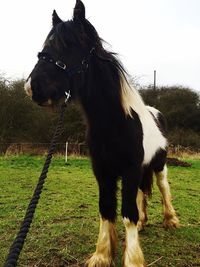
x: 68, y: 33
x: 130, y: 98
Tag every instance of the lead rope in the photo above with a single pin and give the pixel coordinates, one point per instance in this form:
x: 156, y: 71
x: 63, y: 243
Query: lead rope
x: 18, y: 243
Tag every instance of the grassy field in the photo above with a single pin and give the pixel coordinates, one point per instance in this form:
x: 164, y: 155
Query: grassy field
x: 66, y: 222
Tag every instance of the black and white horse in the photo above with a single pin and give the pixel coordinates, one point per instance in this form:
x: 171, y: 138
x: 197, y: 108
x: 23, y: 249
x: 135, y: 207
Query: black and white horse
x: 126, y: 138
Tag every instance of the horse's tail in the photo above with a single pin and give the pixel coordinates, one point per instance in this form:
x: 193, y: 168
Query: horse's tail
x: 147, y: 181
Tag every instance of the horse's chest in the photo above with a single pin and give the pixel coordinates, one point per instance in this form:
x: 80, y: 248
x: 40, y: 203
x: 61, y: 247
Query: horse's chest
x: 116, y: 150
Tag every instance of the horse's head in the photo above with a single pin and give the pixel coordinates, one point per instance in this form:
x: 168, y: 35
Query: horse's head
x: 63, y: 59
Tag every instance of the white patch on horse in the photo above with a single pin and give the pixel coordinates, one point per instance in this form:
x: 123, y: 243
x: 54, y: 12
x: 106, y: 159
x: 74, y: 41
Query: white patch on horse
x: 27, y: 87
x: 153, y: 110
x: 153, y: 140
x: 133, y: 255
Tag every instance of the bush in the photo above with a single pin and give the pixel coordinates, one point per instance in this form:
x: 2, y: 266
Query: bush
x: 186, y: 138
x: 22, y: 120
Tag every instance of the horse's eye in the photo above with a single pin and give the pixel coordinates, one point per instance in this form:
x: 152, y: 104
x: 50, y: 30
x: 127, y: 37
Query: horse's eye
x: 41, y: 55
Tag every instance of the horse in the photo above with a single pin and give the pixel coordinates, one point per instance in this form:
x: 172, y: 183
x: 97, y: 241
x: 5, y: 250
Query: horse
x: 126, y: 139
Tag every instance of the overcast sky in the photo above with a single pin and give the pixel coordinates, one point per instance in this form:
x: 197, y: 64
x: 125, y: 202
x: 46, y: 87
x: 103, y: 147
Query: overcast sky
x: 162, y: 35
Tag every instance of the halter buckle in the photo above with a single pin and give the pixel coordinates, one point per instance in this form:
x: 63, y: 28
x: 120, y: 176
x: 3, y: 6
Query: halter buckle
x: 61, y: 65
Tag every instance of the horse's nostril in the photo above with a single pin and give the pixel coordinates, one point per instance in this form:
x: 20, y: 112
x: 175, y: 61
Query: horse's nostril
x: 27, y: 87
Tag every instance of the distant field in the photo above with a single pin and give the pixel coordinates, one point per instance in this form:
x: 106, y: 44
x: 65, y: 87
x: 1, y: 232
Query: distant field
x: 65, y: 227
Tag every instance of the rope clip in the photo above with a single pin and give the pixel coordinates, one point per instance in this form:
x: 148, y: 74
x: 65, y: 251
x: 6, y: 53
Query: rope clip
x: 68, y: 95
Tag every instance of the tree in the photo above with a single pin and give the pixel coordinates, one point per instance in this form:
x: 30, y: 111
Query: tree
x: 181, y: 107
x: 22, y: 120
x: 19, y: 117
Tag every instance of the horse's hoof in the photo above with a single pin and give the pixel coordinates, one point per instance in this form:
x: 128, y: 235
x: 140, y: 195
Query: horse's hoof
x: 133, y: 258
x: 135, y: 265
x: 171, y: 223
x: 99, y: 260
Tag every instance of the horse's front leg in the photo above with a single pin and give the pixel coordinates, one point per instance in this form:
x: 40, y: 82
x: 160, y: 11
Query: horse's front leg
x: 133, y: 256
x: 106, y: 243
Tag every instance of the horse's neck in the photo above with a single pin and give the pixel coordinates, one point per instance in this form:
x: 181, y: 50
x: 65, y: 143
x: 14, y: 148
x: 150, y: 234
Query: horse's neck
x: 102, y: 108
x: 100, y: 95
x: 111, y: 98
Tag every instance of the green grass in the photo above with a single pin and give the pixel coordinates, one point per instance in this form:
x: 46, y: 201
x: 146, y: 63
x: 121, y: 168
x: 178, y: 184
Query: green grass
x: 65, y: 227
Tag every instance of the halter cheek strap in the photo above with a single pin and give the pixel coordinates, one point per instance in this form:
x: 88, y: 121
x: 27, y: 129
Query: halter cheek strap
x: 61, y: 65
x: 69, y: 71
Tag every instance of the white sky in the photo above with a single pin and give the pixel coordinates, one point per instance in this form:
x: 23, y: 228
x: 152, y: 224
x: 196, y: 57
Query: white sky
x: 148, y: 34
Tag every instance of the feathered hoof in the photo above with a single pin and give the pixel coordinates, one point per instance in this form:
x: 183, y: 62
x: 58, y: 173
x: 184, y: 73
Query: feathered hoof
x: 99, y: 260
x: 171, y: 223
x: 134, y: 258
x: 135, y: 265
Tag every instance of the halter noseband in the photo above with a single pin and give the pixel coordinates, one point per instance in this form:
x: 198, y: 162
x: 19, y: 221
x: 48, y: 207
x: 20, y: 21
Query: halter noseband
x: 61, y: 65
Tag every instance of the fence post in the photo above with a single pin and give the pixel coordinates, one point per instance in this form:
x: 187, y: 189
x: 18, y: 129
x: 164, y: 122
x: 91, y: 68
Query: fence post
x: 66, y: 152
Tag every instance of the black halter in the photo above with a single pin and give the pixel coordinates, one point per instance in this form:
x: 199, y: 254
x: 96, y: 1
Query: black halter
x: 61, y: 65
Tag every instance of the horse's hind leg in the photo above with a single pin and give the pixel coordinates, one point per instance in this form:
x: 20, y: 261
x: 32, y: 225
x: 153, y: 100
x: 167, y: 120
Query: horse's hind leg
x: 141, y: 204
x: 106, y: 243
x: 170, y: 218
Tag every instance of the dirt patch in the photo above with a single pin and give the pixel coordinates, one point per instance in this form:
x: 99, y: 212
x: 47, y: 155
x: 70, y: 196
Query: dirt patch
x: 177, y: 162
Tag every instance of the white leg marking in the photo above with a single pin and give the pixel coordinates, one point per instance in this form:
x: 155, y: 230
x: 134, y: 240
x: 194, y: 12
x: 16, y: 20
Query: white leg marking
x: 27, y: 87
x: 170, y: 218
x: 142, y: 210
x: 106, y: 246
x: 133, y: 256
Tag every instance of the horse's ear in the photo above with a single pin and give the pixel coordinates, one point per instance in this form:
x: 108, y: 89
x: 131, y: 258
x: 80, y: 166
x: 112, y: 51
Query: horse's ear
x: 55, y: 18
x: 79, y: 11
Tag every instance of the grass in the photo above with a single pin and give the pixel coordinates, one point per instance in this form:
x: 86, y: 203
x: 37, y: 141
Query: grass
x: 65, y: 227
